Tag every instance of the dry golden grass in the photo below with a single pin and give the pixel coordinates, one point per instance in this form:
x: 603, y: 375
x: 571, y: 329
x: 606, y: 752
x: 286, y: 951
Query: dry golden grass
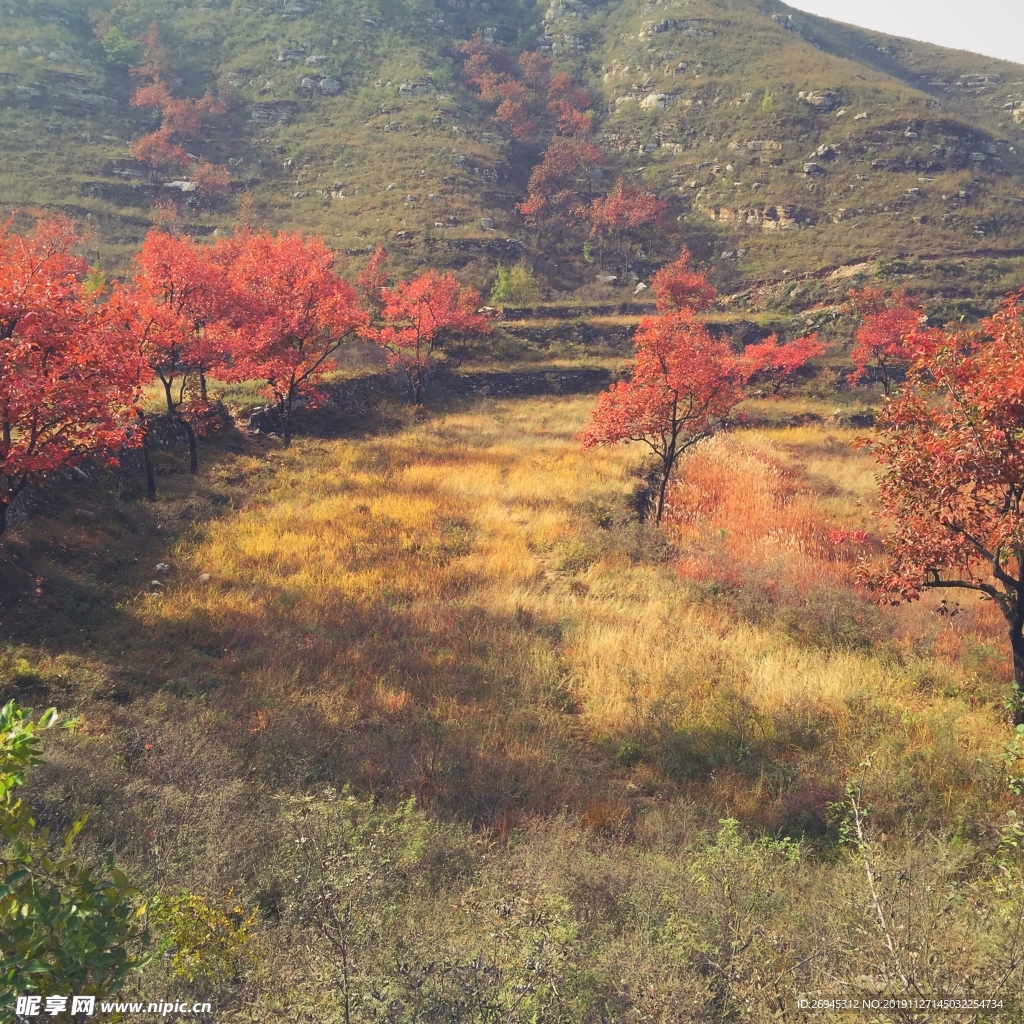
x: 463, y: 610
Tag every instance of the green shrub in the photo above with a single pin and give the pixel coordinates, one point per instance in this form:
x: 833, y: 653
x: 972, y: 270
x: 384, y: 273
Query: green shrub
x: 64, y: 928
x: 515, y: 286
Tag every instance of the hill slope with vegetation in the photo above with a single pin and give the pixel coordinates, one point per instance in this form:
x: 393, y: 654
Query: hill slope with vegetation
x: 401, y: 690
x: 783, y: 144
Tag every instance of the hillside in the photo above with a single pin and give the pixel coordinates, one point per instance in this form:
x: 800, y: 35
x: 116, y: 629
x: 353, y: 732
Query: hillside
x: 646, y: 647
x: 786, y: 145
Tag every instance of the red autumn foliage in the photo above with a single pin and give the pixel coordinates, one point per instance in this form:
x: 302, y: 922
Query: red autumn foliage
x: 418, y: 316
x: 211, y: 180
x: 775, y: 364
x: 174, y: 308
x: 562, y: 183
x: 744, y: 520
x: 952, y: 457
x: 67, y: 386
x: 294, y: 313
x: 623, y: 214
x: 567, y: 101
x: 535, y: 68
x: 512, y: 113
x: 180, y: 120
x: 531, y: 100
x: 160, y: 152
x: 155, y: 63
x: 677, y: 287
x: 683, y: 384
x: 883, y: 342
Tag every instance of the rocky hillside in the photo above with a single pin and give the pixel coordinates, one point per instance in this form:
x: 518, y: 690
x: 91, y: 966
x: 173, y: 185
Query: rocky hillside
x: 787, y: 146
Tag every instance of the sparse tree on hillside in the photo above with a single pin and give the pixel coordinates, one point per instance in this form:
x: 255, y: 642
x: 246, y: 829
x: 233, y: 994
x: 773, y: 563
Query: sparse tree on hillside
x: 180, y: 119
x: 419, y: 316
x: 67, y: 384
x: 160, y: 153
x: 562, y: 184
x: 295, y: 313
x: 676, y: 286
x: 951, y: 490
x: 775, y: 364
x: 682, y: 386
x: 623, y: 216
x: 882, y: 343
x: 212, y: 181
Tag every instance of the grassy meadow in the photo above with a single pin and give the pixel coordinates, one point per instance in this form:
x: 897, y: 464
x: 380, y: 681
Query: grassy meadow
x: 550, y: 762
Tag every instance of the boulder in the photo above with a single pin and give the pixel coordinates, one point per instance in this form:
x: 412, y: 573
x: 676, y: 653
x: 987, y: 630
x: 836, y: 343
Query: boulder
x: 821, y: 99
x: 655, y: 101
x: 330, y: 86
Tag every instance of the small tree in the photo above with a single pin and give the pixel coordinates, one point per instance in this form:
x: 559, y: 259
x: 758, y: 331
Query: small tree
x: 212, y: 181
x: 160, y: 153
x: 515, y: 286
x: 562, y: 184
x: 64, y: 927
x: 624, y: 216
x: 951, y: 490
x: 775, y: 364
x: 676, y: 286
x: 881, y: 342
x: 295, y: 313
x: 419, y: 316
x: 683, y: 384
x: 174, y: 307
x: 180, y: 119
x: 67, y: 385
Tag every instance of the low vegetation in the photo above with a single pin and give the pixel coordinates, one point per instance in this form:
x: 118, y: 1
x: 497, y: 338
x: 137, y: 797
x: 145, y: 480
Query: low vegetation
x: 644, y: 646
x: 467, y: 612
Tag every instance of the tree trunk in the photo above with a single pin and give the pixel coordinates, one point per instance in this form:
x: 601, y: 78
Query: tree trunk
x: 287, y: 416
x: 193, y: 454
x: 666, y: 472
x: 3, y: 518
x: 1016, y: 708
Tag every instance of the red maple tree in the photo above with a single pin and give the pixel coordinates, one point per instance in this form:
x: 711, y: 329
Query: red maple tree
x: 682, y: 386
x: 174, y: 307
x: 532, y: 101
x: 67, y: 388
x: 212, y: 181
x: 951, y: 491
x: 160, y: 153
x: 294, y: 313
x: 623, y: 216
x: 562, y: 184
x: 676, y: 286
x: 883, y: 344
x: 419, y: 316
x: 775, y: 364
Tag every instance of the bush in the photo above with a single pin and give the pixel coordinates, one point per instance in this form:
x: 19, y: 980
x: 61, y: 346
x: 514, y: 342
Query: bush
x: 515, y: 286
x: 63, y: 926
